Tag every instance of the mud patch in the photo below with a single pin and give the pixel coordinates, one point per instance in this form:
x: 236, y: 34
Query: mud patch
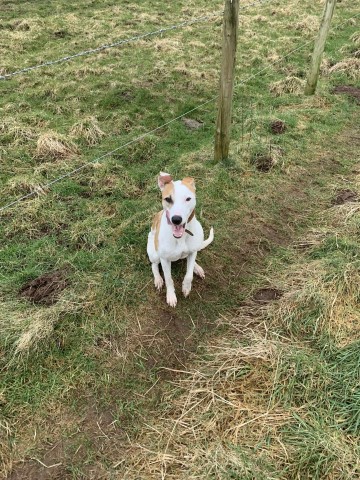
x: 45, y: 290
x: 262, y: 162
x: 267, y: 294
x: 278, y: 127
x: 345, y: 196
x: 353, y: 92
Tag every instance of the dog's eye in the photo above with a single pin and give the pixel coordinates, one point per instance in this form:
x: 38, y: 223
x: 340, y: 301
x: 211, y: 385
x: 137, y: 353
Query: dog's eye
x: 188, y: 199
x: 168, y: 199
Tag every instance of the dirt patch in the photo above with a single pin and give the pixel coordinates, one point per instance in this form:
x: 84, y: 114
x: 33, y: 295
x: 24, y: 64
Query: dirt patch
x: 127, y: 95
x: 192, y: 124
x: 173, y: 340
x: 348, y: 90
x: 45, y: 289
x: 33, y: 470
x: 263, y: 162
x: 267, y: 294
x: 345, y: 196
x: 278, y: 127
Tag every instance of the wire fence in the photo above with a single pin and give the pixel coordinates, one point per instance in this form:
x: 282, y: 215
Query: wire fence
x: 126, y: 41
x: 45, y: 187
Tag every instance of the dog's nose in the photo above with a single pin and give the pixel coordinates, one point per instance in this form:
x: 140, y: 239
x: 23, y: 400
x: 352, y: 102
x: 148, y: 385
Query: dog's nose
x: 176, y: 219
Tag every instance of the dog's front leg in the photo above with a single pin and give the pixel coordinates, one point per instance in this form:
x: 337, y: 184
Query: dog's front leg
x: 170, y: 290
x: 186, y: 286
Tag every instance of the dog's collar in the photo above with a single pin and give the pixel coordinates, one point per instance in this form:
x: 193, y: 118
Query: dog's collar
x: 192, y: 215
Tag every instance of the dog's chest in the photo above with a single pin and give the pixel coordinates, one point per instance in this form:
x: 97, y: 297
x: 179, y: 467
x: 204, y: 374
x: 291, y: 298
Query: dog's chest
x: 175, y: 251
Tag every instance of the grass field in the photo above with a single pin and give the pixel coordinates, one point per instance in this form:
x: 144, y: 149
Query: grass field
x: 256, y: 375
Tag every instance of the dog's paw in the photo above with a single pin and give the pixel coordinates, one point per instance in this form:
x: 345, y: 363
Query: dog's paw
x: 171, y: 299
x: 199, y: 271
x: 186, y: 287
x: 159, y: 283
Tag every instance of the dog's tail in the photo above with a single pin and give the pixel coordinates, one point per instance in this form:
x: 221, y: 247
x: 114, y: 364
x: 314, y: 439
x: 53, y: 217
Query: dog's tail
x: 209, y: 240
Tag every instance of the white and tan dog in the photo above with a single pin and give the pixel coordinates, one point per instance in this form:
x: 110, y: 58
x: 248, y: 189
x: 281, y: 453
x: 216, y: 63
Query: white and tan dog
x: 176, y: 234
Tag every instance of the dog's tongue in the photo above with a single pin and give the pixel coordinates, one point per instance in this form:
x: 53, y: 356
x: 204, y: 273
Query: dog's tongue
x: 178, y: 230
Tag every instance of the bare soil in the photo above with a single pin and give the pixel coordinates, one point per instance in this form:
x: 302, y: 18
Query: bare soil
x: 45, y: 289
x: 278, y: 127
x: 351, y: 91
x: 267, y: 294
x: 345, y: 196
x: 262, y: 162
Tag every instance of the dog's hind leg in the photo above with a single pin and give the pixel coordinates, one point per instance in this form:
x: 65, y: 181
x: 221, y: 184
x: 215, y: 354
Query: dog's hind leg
x: 199, y: 271
x: 158, y: 281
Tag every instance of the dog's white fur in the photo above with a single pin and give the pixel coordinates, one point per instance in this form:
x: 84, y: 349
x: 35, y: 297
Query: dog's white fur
x: 163, y: 245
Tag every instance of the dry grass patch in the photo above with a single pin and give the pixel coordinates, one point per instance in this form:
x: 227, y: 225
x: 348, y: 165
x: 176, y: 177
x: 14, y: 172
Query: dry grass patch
x: 349, y: 66
x: 19, y: 133
x: 356, y: 38
x: 53, y: 146
x: 24, y: 184
x: 26, y: 328
x: 291, y: 84
x: 224, y: 407
x: 307, y: 24
x: 89, y: 130
x: 5, y: 445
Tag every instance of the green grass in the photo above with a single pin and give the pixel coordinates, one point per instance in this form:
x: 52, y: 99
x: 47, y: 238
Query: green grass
x: 103, y: 345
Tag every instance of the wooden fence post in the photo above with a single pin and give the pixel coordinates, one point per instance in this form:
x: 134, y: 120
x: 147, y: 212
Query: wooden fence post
x: 223, y: 123
x: 313, y: 75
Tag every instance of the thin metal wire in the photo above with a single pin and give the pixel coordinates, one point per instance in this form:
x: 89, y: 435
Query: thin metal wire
x: 101, y: 48
x: 98, y: 159
x: 125, y: 41
x: 290, y: 53
x: 108, y: 154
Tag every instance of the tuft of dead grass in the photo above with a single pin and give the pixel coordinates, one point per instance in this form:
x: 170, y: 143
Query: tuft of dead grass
x: 26, y: 329
x: 307, y: 24
x: 18, y: 132
x: 24, y: 184
x: 89, y: 130
x: 51, y: 145
x: 355, y: 38
x: 291, y: 84
x: 5, y: 444
x: 349, y: 66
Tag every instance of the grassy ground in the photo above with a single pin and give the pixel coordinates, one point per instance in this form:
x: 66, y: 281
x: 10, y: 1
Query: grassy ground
x: 81, y: 377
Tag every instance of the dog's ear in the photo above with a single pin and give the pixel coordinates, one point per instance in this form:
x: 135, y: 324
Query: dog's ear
x: 163, y: 179
x: 189, y: 182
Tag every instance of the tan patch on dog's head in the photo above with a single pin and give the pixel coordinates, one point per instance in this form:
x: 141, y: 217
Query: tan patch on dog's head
x: 189, y: 182
x: 168, y: 190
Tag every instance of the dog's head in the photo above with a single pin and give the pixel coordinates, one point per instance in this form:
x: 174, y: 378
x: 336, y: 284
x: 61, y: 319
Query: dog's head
x: 178, y: 199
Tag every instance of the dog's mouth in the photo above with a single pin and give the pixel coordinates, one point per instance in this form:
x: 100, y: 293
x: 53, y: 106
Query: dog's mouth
x: 178, y: 230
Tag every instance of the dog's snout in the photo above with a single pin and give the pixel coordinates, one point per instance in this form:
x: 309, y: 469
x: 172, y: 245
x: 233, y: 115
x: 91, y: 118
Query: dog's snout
x: 176, y: 219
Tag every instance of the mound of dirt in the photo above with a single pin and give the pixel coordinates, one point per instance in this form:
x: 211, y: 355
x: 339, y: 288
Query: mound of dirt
x: 192, y: 124
x: 267, y: 294
x: 277, y: 127
x: 45, y: 289
x: 345, y: 196
x: 263, y: 162
x: 348, y: 90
